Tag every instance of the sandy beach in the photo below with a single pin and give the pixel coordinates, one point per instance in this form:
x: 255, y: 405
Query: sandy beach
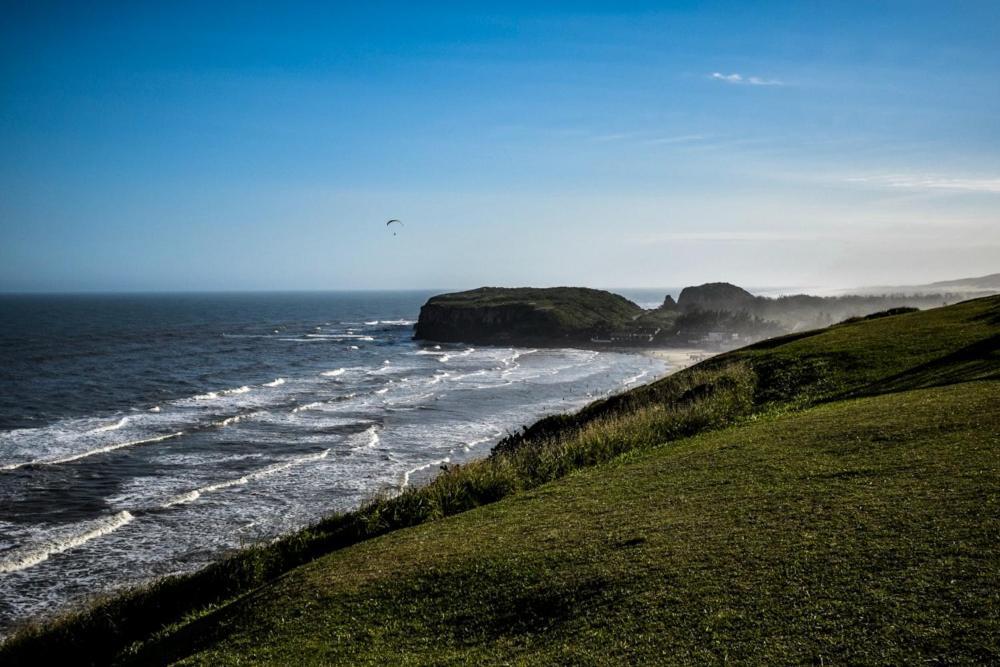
x: 679, y: 358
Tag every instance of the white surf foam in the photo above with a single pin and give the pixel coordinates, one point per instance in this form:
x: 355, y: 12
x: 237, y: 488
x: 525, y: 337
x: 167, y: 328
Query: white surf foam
x: 224, y: 392
x: 277, y: 382
x: 411, y: 400
x: 635, y: 378
x: 440, y: 375
x: 462, y: 376
x: 386, y: 367
x: 469, y: 446
x: 344, y: 336
x: 235, y: 419
x: 391, y: 323
x: 369, y: 437
x: 517, y: 354
x: 335, y: 373
x: 307, y: 406
x: 426, y: 466
x: 444, y: 358
x: 194, y: 495
x: 111, y: 427
x: 28, y: 556
x: 91, y: 452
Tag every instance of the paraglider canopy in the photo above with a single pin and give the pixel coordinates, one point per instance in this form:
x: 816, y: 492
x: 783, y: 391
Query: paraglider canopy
x: 394, y: 220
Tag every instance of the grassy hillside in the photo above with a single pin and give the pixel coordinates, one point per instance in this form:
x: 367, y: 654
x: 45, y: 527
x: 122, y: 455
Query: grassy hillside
x: 868, y: 355
x: 825, y: 496
x: 860, y: 531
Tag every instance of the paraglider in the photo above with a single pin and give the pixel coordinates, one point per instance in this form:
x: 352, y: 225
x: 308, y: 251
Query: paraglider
x: 392, y: 221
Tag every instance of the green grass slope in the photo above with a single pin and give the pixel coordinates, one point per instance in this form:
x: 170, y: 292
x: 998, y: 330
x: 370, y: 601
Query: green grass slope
x: 827, y: 497
x: 862, y: 531
x: 869, y: 355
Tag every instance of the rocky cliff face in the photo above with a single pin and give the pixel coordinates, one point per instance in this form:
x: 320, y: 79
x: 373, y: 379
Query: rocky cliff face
x: 485, y: 324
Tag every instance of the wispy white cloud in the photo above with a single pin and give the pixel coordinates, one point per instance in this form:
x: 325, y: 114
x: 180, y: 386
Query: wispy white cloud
x: 681, y: 139
x: 641, y: 137
x: 739, y: 79
x: 729, y: 236
x: 615, y: 136
x: 728, y: 78
x: 929, y: 182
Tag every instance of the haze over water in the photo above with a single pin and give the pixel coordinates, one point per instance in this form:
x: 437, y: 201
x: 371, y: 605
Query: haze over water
x: 142, y: 436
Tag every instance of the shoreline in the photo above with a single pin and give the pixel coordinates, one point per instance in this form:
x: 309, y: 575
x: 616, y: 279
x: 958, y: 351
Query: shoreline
x: 144, y: 607
x: 678, y: 358
x: 414, y: 478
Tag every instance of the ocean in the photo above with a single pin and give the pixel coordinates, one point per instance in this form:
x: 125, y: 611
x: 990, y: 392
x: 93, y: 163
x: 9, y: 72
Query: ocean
x: 147, y: 435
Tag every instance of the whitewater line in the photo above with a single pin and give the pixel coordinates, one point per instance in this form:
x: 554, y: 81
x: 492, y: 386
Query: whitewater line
x: 408, y: 473
x: 373, y: 438
x: 111, y: 427
x: 222, y: 392
x: 91, y: 452
x: 192, y: 496
x: 26, y: 557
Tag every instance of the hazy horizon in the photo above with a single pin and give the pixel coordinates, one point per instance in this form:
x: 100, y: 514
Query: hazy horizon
x: 183, y: 148
x: 662, y: 290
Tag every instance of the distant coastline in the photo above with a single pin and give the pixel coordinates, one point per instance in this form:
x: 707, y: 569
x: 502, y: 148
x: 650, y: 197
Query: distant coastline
x: 712, y: 316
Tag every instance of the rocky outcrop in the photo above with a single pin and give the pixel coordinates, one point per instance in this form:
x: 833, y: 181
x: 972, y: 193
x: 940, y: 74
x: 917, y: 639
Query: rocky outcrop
x: 716, y: 296
x: 550, y: 316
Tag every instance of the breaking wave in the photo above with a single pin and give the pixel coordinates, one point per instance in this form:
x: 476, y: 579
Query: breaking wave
x: 391, y: 323
x: 91, y: 452
x: 224, y: 392
x: 409, y: 473
x: 28, y: 556
x: 111, y: 427
x: 635, y: 378
x: 370, y: 438
x: 235, y: 419
x: 307, y: 406
x: 194, y: 495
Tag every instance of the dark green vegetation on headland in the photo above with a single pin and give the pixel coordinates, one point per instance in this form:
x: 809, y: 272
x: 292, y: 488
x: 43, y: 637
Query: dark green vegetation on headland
x: 830, y: 496
x: 716, y: 315
x: 524, y: 314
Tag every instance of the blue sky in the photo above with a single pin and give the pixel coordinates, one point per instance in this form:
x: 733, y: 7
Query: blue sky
x: 257, y: 146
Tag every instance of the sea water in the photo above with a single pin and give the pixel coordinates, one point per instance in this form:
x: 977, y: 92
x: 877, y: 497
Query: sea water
x: 147, y: 435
